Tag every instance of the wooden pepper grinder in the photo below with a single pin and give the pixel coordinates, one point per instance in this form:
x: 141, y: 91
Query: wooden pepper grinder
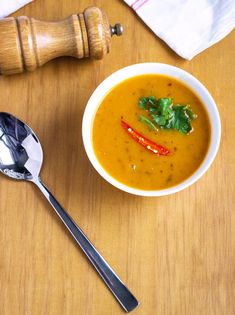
x: 26, y: 43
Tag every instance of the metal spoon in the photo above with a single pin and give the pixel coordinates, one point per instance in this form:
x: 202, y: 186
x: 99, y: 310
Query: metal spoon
x: 21, y: 157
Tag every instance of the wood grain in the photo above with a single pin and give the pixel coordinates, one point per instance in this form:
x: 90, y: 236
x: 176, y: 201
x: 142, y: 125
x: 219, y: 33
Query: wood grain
x: 27, y: 43
x: 175, y: 253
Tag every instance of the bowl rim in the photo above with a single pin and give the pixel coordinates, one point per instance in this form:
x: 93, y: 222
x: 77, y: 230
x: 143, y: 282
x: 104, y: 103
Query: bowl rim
x: 151, y: 68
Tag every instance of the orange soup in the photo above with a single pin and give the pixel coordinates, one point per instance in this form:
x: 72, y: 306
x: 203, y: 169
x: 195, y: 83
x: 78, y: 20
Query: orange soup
x: 129, y: 162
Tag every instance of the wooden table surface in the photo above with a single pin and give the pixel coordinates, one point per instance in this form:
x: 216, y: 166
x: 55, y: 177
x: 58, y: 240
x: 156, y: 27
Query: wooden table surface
x: 176, y: 253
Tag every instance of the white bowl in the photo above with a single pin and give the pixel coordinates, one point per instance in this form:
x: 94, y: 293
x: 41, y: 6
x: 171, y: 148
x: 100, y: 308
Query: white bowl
x: 151, y: 68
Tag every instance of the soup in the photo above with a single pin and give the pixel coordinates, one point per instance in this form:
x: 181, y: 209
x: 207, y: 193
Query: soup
x: 133, y: 164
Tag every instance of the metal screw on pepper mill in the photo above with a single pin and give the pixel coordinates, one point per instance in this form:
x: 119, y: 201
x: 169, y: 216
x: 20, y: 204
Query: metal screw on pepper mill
x: 27, y: 43
x: 117, y: 29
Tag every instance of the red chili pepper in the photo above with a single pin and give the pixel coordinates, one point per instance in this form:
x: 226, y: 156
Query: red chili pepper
x: 148, y: 144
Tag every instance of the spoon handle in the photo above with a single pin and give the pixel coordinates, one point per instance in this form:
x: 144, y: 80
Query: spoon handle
x: 119, y: 290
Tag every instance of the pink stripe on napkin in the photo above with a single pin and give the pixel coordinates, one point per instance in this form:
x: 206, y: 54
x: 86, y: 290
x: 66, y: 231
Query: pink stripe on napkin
x: 136, y: 5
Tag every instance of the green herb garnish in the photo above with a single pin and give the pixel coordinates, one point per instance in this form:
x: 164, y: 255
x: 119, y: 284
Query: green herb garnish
x: 147, y: 102
x: 147, y: 122
x: 166, y: 115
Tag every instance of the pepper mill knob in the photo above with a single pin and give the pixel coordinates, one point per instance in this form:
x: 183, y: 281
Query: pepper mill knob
x: 27, y: 43
x: 117, y: 29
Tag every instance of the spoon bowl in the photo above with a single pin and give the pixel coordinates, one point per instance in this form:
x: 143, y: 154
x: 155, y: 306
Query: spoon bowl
x: 21, y: 153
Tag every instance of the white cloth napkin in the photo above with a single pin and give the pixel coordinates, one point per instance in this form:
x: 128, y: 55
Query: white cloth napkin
x: 9, y: 6
x: 187, y: 26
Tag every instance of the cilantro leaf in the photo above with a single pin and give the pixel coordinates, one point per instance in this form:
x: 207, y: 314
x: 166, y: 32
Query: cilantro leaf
x: 148, y: 122
x: 181, y: 121
x: 147, y: 102
x: 163, y: 112
x: 166, y: 115
x: 164, y: 105
x: 159, y: 119
x: 190, y: 113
